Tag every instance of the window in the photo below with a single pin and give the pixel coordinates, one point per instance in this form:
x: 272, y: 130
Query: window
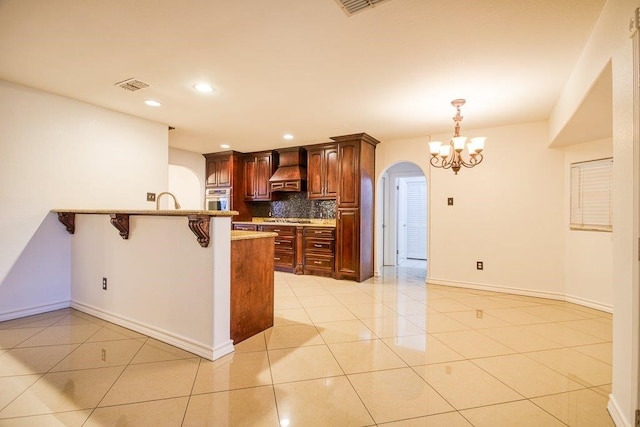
x: 591, y: 195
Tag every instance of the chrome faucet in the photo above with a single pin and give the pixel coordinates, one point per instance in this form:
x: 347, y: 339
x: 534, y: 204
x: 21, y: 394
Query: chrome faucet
x: 175, y: 201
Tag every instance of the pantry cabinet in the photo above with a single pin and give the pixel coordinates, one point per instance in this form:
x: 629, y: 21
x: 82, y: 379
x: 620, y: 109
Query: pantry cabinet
x: 355, y: 203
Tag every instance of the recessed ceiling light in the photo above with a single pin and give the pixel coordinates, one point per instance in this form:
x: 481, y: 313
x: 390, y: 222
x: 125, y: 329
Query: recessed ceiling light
x: 287, y: 136
x: 203, y: 87
x: 225, y: 146
x: 152, y: 103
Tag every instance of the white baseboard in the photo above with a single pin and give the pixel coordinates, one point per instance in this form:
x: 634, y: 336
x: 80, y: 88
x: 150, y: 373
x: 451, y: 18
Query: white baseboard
x: 497, y: 288
x: 588, y: 303
x: 223, y: 349
x: 30, y: 311
x: 526, y: 292
x: 616, y: 414
x: 200, y: 349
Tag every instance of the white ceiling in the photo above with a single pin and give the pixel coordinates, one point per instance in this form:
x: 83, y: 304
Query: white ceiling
x: 300, y: 66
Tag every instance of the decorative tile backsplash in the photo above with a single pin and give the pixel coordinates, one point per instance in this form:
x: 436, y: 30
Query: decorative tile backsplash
x: 294, y: 205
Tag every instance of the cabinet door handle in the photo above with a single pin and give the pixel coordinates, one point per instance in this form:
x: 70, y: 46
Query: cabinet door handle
x: 317, y: 246
x: 277, y: 243
x: 275, y: 229
x: 318, y: 232
x: 317, y: 262
x: 276, y: 259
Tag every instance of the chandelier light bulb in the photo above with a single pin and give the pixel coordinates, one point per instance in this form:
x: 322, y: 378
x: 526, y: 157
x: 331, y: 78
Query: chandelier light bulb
x: 434, y: 147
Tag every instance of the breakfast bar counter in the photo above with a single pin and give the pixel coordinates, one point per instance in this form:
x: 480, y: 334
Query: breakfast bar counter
x: 150, y: 275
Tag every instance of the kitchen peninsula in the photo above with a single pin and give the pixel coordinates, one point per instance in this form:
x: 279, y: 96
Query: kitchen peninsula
x: 166, y: 273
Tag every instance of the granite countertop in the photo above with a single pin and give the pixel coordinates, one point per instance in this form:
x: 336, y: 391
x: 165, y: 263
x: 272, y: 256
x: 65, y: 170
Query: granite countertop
x: 154, y: 212
x: 304, y: 222
x: 245, y: 235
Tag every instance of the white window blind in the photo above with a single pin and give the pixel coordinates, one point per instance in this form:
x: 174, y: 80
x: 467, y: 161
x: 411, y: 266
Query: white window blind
x: 591, y: 195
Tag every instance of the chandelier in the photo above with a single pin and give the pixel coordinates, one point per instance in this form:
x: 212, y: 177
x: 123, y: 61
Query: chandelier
x: 449, y: 156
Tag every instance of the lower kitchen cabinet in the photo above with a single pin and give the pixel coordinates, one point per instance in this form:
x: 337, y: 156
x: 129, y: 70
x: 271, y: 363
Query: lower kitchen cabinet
x: 318, y: 251
x: 301, y: 249
x: 285, y: 246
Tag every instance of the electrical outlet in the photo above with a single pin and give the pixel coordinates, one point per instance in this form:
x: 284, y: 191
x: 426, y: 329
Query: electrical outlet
x: 104, y: 355
x: 104, y: 283
x: 479, y: 265
x: 151, y: 197
x: 479, y: 314
x: 450, y: 201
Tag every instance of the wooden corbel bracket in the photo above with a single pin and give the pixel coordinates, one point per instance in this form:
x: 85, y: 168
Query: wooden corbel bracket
x: 121, y: 223
x: 68, y: 219
x: 199, y: 224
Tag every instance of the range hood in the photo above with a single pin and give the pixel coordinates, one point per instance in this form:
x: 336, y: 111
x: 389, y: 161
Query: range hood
x: 291, y: 174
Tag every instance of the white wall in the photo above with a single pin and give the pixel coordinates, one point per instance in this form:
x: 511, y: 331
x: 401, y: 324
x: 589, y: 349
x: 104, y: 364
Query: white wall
x: 588, y: 254
x: 182, y: 186
x: 609, y: 32
x: 185, y: 187
x: 57, y: 153
x: 610, y: 41
x: 507, y: 212
x: 626, y: 343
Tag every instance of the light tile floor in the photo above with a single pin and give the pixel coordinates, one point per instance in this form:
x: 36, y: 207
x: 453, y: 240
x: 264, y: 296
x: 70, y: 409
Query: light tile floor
x: 390, y: 351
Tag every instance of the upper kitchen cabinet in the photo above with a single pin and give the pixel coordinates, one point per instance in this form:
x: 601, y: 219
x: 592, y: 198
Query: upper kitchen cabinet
x: 258, y: 168
x: 224, y: 170
x: 355, y: 204
x: 219, y: 169
x: 322, y: 172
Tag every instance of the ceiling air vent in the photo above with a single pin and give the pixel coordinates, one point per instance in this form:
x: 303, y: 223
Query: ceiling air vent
x: 132, y: 84
x: 351, y: 7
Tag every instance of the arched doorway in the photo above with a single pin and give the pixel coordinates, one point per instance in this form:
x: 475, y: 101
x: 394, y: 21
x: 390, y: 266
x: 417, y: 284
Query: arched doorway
x: 403, y: 192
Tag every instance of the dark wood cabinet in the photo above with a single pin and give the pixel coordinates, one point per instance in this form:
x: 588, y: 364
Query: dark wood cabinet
x: 318, y: 250
x: 258, y: 168
x: 343, y: 170
x: 224, y: 170
x: 252, y: 293
x: 285, y: 246
x: 219, y: 169
x: 349, y: 173
x: 355, y: 204
x: 347, y: 263
x: 322, y: 172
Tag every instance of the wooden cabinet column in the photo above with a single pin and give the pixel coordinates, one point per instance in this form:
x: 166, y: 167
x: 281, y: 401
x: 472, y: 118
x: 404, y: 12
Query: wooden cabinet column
x: 355, y: 204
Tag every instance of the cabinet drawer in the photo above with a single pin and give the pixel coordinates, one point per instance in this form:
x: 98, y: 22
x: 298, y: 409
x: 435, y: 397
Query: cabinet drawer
x: 318, y: 245
x: 284, y: 259
x: 282, y: 230
x: 322, y: 232
x: 284, y: 242
x: 319, y: 262
x: 245, y: 227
